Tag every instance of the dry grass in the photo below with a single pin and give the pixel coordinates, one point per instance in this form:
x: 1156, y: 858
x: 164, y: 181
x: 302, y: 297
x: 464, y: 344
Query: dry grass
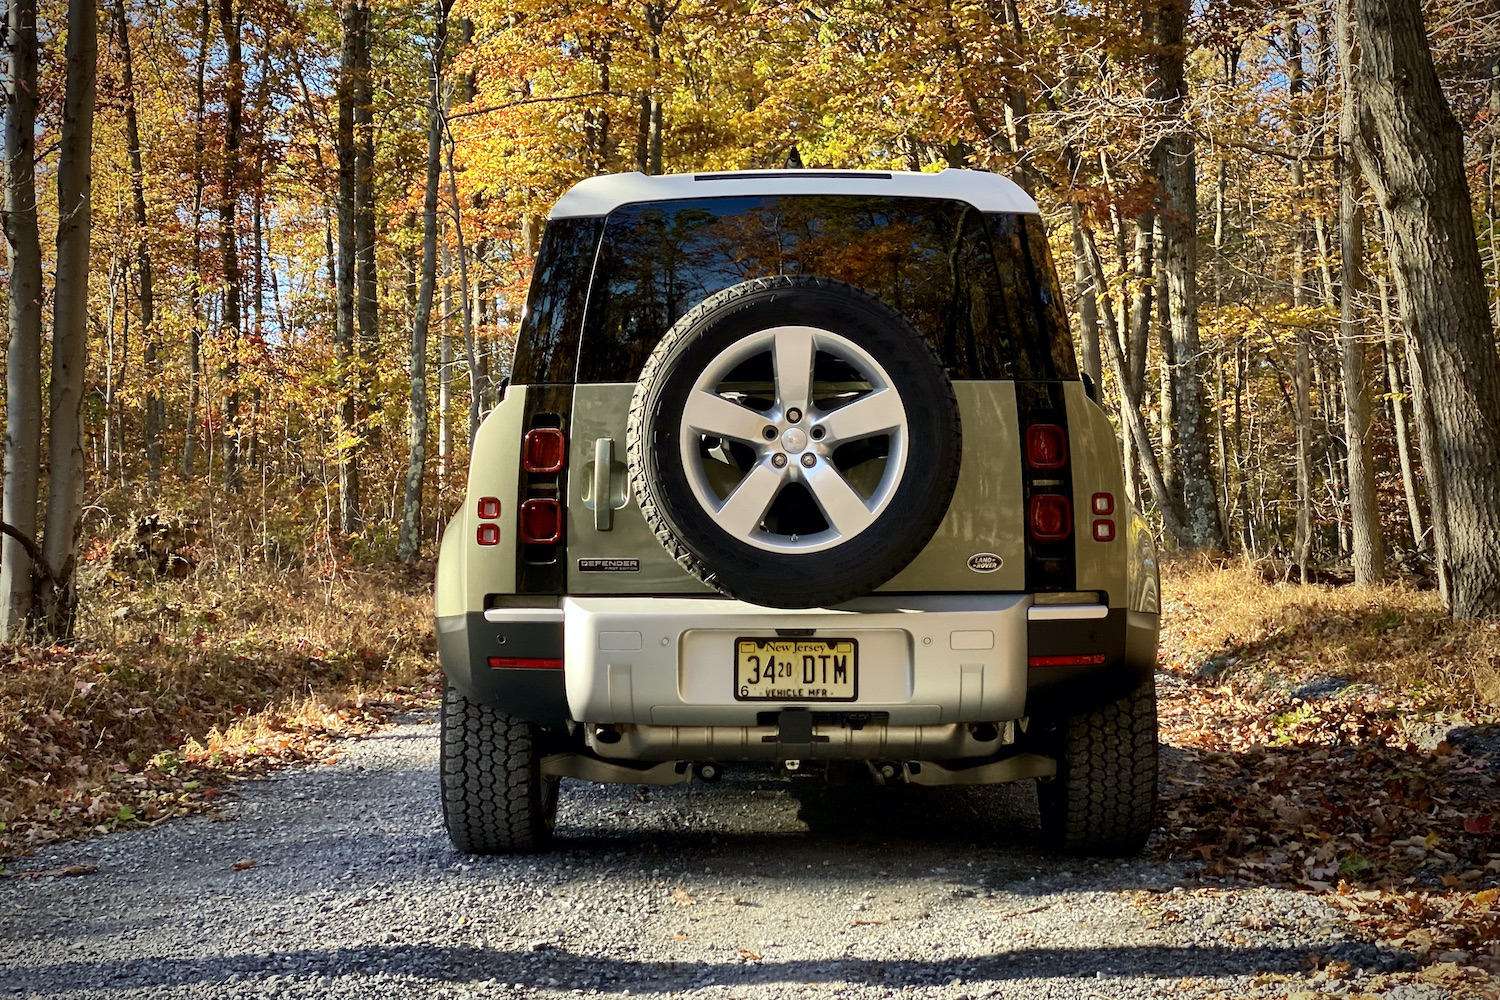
x: 1224, y: 618
x: 174, y: 685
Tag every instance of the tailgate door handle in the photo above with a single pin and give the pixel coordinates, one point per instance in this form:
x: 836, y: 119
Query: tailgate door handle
x: 604, y: 461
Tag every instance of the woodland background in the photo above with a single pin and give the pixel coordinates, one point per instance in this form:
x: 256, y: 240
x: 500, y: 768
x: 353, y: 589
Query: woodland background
x: 312, y: 230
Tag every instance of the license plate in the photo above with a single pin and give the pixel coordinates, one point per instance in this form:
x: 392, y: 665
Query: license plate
x: 796, y: 669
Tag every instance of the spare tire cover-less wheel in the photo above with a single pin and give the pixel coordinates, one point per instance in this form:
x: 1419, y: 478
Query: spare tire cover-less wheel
x: 794, y: 442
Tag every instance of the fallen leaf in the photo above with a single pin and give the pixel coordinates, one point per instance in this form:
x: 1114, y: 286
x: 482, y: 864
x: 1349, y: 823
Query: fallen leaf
x: 242, y: 864
x: 747, y: 953
x: 681, y: 898
x: 66, y: 870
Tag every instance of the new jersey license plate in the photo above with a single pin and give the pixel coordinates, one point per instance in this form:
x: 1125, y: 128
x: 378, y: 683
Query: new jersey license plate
x: 796, y: 669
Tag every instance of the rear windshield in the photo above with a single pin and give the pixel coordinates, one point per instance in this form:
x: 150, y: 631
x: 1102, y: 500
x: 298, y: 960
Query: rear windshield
x: 981, y: 288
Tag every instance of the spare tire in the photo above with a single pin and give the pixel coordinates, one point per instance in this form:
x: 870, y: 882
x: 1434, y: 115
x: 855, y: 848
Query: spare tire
x: 794, y: 442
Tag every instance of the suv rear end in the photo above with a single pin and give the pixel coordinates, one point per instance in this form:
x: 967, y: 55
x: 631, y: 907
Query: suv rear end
x: 936, y: 577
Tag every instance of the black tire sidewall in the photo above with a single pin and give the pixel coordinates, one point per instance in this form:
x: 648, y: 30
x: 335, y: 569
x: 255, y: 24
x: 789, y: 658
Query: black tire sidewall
x: 876, y: 554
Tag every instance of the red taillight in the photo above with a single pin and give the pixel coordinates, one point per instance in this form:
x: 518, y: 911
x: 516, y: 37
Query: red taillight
x: 488, y: 534
x: 541, y: 521
x: 1051, y: 517
x: 1086, y: 660
x: 544, y: 450
x: 524, y: 663
x: 1104, y: 531
x: 1046, y: 446
x: 489, y: 508
x: 1104, y: 504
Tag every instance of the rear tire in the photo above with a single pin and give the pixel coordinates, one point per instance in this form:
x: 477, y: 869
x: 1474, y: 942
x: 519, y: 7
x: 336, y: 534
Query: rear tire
x: 1103, y: 800
x: 495, y: 800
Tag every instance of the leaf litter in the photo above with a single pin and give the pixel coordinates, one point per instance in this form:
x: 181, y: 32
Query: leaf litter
x: 1309, y: 758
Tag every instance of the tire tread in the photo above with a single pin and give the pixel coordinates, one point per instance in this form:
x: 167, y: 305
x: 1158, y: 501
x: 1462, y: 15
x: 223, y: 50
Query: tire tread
x: 1103, y: 800
x: 494, y: 798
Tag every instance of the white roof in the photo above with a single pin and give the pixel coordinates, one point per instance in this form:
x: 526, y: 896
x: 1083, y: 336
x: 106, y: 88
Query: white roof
x: 602, y: 195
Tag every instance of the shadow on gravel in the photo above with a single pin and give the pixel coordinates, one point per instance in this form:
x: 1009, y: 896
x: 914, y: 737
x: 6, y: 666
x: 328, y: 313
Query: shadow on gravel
x: 468, y: 964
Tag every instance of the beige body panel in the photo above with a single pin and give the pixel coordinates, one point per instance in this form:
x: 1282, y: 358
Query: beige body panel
x: 986, y: 513
x: 1095, y: 461
x: 600, y: 412
x: 468, y: 571
x: 986, y: 516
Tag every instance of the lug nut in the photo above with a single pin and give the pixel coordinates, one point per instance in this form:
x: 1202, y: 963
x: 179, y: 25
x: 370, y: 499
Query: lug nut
x: 769, y: 433
x: 778, y: 460
x: 809, y: 460
x: 793, y: 415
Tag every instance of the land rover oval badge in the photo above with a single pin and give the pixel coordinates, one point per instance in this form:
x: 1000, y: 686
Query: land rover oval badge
x: 985, y: 562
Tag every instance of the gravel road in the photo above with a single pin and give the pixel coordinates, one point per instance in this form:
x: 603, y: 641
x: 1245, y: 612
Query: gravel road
x: 750, y: 888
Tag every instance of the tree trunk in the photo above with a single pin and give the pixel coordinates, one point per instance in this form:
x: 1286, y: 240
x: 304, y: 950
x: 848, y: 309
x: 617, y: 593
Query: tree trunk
x: 1398, y: 395
x: 445, y: 378
x: 258, y: 238
x: 1130, y: 405
x: 367, y: 303
x: 195, y: 329
x: 410, y: 545
x: 58, y: 596
x: 463, y: 298
x: 1437, y: 487
x: 23, y: 375
x: 347, y: 440
x: 229, y: 203
x: 150, y: 336
x: 1366, y: 543
x: 1302, y: 541
x: 1166, y: 400
x: 1417, y: 171
x: 1088, y: 306
x: 1176, y: 169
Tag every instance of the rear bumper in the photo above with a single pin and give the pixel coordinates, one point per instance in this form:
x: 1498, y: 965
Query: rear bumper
x: 668, y: 662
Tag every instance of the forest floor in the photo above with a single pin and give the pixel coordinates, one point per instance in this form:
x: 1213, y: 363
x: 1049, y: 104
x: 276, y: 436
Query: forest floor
x: 1326, y: 743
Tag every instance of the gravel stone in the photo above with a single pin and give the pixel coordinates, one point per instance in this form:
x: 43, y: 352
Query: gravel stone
x: 788, y: 889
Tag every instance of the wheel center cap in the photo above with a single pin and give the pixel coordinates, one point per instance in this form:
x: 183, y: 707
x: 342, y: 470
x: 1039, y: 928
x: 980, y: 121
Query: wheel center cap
x: 794, y: 439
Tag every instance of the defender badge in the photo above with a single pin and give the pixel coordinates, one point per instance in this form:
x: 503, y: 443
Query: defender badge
x: 985, y: 562
x: 609, y: 565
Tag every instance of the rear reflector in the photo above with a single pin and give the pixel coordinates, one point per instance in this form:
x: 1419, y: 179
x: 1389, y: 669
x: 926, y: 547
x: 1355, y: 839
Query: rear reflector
x: 1084, y: 660
x: 541, y: 521
x: 543, y: 450
x: 489, y: 508
x: 1104, y: 504
x: 524, y: 663
x: 1104, y: 531
x: 489, y: 534
x: 1046, y: 446
x: 1051, y: 517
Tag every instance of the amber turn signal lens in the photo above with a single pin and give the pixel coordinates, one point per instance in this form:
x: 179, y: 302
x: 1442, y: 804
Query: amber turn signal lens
x: 541, y: 521
x: 1051, y: 517
x: 1046, y: 446
x: 544, y: 450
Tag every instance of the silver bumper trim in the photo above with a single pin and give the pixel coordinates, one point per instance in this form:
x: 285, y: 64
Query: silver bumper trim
x: 501, y: 615
x: 1066, y: 612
